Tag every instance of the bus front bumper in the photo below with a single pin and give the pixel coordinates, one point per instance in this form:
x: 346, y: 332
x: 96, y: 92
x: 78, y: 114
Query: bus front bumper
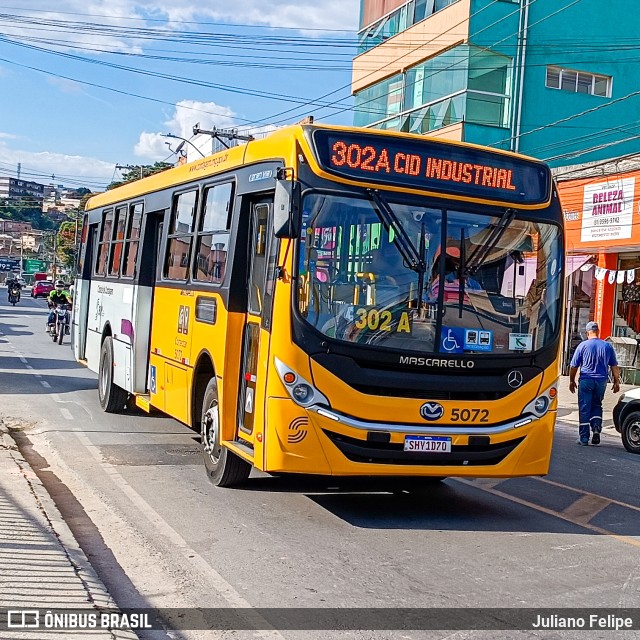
x: 338, y: 444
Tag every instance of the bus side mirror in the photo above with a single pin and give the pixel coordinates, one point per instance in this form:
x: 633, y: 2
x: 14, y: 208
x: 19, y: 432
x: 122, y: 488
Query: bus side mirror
x: 286, y: 207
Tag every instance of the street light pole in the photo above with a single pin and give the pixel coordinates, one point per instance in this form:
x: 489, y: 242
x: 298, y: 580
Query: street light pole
x: 171, y: 135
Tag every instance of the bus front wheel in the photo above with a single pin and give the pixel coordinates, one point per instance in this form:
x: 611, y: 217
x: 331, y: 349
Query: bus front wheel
x: 224, y: 468
x: 112, y: 398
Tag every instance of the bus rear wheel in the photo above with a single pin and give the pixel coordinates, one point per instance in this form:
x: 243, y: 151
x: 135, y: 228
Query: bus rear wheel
x: 112, y: 398
x: 224, y: 468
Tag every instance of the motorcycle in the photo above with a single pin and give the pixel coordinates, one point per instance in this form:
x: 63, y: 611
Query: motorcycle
x: 60, y: 325
x: 14, y: 295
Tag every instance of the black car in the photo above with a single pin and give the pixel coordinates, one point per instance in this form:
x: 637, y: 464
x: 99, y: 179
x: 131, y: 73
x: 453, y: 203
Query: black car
x: 626, y: 419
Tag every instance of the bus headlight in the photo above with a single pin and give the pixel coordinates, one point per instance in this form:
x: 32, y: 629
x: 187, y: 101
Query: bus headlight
x: 541, y: 404
x: 301, y: 392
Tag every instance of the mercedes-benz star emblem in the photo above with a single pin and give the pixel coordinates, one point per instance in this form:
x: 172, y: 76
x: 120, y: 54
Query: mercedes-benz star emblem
x: 431, y: 411
x: 515, y: 379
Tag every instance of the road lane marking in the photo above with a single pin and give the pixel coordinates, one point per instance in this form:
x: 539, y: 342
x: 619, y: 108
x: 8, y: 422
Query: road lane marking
x: 66, y: 413
x: 224, y: 588
x: 22, y: 359
x: 586, y: 508
x: 557, y: 514
x: 586, y: 493
x: 45, y: 384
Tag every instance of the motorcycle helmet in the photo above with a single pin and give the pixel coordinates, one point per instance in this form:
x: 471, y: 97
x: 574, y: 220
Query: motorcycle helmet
x: 59, y: 285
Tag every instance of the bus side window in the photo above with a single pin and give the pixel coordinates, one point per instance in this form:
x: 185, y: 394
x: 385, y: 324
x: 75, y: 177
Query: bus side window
x: 82, y: 256
x: 105, y: 238
x: 176, y: 264
x: 132, y: 240
x: 212, y: 247
x: 115, y: 256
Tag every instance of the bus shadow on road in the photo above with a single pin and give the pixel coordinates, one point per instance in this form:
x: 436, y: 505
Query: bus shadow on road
x: 416, y: 504
x: 451, y: 506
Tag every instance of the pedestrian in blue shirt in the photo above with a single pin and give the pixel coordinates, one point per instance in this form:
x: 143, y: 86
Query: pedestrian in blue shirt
x: 593, y: 357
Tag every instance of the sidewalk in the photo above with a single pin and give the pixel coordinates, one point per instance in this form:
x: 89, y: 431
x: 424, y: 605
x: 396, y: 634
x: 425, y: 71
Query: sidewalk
x: 41, y: 564
x: 568, y: 404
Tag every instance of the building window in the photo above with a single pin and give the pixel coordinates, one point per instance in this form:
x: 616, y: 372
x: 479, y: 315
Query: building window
x: 578, y: 81
x: 380, y: 28
x: 465, y: 83
x: 379, y: 101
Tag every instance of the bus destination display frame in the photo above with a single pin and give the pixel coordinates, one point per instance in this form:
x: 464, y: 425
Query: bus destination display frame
x: 432, y: 166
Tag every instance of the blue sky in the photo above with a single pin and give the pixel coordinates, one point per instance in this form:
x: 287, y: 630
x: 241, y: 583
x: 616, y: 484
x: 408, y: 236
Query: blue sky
x: 69, y: 109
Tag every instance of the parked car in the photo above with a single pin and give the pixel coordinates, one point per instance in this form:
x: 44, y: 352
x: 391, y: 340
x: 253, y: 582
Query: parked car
x: 42, y: 289
x: 626, y: 419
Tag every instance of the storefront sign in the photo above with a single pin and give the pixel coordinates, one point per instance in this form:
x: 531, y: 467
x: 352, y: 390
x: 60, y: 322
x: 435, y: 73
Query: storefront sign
x: 608, y: 210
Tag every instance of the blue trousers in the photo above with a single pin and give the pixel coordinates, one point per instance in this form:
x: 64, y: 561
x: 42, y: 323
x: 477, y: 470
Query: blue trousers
x: 590, y: 396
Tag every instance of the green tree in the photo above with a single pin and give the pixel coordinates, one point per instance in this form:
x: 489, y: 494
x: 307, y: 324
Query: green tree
x: 137, y: 172
x: 26, y: 209
x: 66, y: 243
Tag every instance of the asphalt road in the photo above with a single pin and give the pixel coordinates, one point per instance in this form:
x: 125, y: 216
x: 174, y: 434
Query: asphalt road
x: 134, y: 493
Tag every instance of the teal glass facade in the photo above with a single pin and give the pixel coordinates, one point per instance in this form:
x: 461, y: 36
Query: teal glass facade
x: 465, y: 83
x: 396, y: 21
x: 554, y: 80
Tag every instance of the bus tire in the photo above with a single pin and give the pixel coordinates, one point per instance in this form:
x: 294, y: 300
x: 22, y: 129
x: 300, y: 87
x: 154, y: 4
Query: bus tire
x: 112, y: 398
x: 224, y: 468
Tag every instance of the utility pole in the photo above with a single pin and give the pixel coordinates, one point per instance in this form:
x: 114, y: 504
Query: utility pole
x: 55, y: 256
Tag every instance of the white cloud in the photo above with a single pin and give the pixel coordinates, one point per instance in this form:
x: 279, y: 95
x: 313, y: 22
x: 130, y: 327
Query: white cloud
x: 153, y: 146
x: 207, y: 115
x: 40, y: 166
x: 323, y: 14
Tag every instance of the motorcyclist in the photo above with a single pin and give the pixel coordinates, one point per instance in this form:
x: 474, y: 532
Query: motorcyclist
x: 57, y: 296
x: 13, y: 284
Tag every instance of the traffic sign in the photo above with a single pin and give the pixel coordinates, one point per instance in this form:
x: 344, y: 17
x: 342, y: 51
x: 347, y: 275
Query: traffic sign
x: 9, y: 264
x: 32, y: 265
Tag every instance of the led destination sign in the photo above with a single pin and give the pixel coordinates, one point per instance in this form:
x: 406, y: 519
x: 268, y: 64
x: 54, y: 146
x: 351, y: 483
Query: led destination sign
x: 433, y: 166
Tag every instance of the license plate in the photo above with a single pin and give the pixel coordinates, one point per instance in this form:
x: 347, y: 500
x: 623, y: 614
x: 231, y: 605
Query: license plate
x: 431, y: 444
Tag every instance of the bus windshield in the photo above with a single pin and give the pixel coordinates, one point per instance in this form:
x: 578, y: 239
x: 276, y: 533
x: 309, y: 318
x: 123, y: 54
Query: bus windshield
x: 450, y: 282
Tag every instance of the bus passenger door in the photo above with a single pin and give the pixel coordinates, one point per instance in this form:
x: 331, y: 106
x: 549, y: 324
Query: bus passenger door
x: 83, y: 291
x: 149, y: 259
x: 255, y: 344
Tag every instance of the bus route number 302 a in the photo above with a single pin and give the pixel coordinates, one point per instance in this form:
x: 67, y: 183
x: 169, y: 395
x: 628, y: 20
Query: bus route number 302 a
x: 371, y: 319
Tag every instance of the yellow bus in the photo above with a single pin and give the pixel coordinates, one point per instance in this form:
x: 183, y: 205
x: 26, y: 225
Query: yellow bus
x: 334, y: 301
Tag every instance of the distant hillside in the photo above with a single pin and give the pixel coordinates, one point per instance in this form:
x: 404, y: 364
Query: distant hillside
x: 26, y: 210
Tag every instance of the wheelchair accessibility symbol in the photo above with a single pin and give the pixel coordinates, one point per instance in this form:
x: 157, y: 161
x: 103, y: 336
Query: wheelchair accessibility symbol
x: 452, y: 340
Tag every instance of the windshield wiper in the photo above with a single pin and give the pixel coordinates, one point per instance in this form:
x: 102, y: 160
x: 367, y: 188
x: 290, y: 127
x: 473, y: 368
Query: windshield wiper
x: 462, y: 273
x: 407, y: 249
x: 481, y: 252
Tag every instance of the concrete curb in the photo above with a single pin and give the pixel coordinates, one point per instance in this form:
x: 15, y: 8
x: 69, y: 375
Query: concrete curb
x: 44, y: 565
